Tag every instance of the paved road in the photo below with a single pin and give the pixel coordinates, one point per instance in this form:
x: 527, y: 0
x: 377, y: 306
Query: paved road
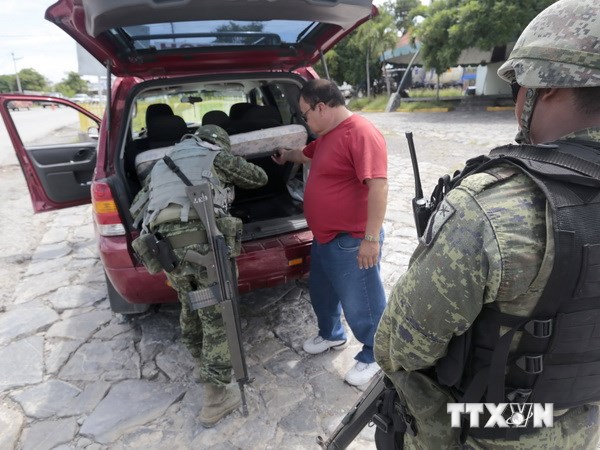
x: 75, y: 376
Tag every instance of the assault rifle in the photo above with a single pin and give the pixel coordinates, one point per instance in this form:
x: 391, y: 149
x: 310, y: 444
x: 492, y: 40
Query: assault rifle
x: 223, y: 287
x: 357, y: 418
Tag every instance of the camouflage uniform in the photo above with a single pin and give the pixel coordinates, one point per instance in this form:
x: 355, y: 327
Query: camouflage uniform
x: 486, y: 242
x: 203, y: 331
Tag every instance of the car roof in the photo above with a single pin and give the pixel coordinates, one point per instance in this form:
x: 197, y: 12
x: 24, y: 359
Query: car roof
x: 176, y: 37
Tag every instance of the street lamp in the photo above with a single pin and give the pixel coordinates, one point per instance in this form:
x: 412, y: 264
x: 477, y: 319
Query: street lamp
x: 16, y: 72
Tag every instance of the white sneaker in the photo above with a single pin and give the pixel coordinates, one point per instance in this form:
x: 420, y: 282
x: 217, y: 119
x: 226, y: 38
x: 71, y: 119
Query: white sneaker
x: 361, y: 373
x: 317, y: 345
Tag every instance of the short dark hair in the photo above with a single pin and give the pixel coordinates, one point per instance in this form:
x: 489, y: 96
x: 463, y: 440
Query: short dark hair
x: 587, y: 99
x: 317, y: 91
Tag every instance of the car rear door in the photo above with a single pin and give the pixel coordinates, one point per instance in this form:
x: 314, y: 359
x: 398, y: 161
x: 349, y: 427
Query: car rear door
x: 55, y: 142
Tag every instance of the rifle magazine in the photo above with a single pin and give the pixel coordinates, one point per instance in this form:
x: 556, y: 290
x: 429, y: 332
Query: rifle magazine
x: 204, y: 297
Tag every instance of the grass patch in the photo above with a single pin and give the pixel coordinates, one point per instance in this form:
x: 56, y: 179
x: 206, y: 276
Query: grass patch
x: 415, y: 106
x: 378, y: 104
x: 448, y: 92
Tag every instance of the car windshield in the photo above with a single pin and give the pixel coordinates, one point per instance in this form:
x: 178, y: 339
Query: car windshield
x: 213, y: 33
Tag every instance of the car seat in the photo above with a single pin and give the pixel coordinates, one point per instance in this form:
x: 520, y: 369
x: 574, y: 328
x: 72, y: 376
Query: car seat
x: 238, y: 110
x: 215, y: 117
x: 165, y: 130
x: 257, y: 117
x: 157, y: 109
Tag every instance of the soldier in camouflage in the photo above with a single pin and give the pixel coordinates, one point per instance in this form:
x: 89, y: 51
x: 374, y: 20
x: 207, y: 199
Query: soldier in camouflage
x: 487, y: 242
x: 203, y: 331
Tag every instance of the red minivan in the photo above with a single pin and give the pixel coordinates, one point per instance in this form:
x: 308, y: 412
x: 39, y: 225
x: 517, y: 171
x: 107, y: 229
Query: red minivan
x: 172, y: 66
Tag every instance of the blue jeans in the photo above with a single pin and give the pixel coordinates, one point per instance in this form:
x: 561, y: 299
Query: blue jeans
x: 336, y: 283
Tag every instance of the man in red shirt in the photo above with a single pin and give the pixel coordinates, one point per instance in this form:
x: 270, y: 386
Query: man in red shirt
x: 344, y: 204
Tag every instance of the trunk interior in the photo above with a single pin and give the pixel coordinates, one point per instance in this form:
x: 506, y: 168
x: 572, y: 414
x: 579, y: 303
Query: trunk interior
x: 271, y: 209
x: 259, y: 115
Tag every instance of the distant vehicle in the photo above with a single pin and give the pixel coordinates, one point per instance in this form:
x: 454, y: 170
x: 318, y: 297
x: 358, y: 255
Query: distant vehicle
x: 81, y: 98
x: 16, y: 105
x: 98, y: 99
x: 52, y: 104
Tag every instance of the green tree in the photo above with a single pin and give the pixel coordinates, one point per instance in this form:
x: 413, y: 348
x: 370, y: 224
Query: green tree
x: 372, y: 39
x: 8, y: 83
x: 403, y: 12
x: 31, y: 80
x: 344, y: 63
x: 253, y: 31
x: 451, y: 26
x: 72, y: 84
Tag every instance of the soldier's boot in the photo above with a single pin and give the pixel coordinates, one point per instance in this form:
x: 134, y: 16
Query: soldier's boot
x: 218, y: 402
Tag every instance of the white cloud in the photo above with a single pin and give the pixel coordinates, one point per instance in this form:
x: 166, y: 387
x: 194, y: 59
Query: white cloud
x: 35, y: 42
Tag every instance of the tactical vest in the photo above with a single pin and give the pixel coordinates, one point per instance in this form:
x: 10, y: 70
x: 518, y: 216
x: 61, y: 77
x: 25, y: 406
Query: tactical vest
x: 195, y: 160
x: 558, y: 357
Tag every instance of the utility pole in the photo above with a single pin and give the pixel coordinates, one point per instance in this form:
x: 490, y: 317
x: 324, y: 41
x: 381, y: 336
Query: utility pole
x: 16, y: 72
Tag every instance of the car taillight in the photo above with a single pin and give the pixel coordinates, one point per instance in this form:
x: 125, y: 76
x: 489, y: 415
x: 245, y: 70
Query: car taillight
x: 105, y: 211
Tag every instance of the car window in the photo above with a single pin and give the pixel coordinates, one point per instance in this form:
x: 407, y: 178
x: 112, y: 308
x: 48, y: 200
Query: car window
x: 284, y: 98
x: 159, y: 37
x: 191, y: 105
x: 41, y: 123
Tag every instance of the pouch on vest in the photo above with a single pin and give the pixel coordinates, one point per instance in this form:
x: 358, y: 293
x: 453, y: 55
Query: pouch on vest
x: 392, y: 421
x: 449, y: 369
x: 154, y: 247
x: 144, y: 247
x: 232, y: 228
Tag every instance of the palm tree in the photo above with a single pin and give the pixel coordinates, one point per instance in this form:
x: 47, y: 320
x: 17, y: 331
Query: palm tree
x: 373, y: 38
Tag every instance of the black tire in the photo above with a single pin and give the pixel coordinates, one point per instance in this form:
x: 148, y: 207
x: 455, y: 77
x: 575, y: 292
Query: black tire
x: 121, y: 306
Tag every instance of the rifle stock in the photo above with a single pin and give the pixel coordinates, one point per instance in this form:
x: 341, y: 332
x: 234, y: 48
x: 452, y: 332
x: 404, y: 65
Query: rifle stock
x: 223, y: 290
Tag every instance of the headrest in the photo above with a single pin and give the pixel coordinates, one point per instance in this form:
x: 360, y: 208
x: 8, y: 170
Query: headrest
x: 215, y: 117
x: 237, y: 110
x: 166, y: 128
x: 265, y: 113
x: 158, y: 109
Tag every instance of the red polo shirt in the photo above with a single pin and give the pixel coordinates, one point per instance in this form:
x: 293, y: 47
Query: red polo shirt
x: 335, y: 197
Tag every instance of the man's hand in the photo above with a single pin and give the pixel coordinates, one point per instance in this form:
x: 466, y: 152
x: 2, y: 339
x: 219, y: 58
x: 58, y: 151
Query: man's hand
x: 283, y: 155
x: 279, y: 156
x: 368, y: 254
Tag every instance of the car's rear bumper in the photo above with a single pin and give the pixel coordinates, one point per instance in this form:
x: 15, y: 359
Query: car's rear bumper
x: 263, y: 263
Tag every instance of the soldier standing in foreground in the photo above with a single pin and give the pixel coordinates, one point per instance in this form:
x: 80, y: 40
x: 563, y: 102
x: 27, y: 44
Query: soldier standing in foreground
x: 500, y: 301
x: 167, y: 213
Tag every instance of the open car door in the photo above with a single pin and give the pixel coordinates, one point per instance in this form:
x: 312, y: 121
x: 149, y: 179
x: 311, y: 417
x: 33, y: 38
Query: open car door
x: 55, y: 141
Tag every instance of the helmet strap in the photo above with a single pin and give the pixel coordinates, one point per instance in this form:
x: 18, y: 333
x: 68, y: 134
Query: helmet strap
x: 524, y: 135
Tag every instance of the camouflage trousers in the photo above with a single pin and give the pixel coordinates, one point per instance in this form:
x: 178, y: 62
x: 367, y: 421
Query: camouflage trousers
x: 203, y: 330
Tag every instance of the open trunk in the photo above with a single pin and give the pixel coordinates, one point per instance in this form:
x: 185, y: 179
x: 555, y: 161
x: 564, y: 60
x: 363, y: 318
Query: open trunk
x: 259, y: 115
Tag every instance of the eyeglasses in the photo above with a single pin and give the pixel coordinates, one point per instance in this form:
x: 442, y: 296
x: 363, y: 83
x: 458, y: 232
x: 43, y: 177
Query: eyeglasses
x: 303, y: 114
x: 515, y: 88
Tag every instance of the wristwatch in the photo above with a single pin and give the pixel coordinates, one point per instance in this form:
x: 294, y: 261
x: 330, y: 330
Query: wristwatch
x: 371, y: 238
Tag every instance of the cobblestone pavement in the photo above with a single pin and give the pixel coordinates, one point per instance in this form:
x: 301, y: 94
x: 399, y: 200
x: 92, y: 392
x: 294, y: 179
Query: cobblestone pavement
x: 75, y: 376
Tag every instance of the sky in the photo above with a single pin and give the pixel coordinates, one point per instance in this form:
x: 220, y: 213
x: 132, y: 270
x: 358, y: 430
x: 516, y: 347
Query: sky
x: 37, y: 43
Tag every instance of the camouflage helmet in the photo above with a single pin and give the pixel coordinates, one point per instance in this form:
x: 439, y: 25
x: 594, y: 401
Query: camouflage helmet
x: 560, y: 48
x: 215, y: 135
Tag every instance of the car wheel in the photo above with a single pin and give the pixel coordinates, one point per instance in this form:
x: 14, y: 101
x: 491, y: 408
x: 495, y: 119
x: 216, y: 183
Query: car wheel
x: 119, y: 305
